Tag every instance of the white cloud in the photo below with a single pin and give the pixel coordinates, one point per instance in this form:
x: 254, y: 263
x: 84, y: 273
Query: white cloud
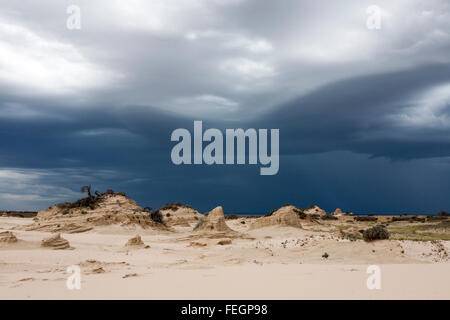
x: 25, y: 185
x: 230, y: 40
x: 204, y: 105
x: 105, y: 132
x: 34, y: 63
x: 247, y: 68
x: 30, y: 189
x: 244, y: 50
x: 430, y: 109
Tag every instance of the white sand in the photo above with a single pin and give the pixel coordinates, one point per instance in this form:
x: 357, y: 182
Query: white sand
x: 266, y: 263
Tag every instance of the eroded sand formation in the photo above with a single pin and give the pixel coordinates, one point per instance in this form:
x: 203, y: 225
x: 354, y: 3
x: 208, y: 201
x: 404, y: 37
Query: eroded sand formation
x: 180, y: 215
x: 213, y: 221
x: 135, y: 242
x: 106, y: 209
x: 7, y: 237
x: 55, y: 242
x: 314, y: 209
x: 291, y: 247
x: 285, y: 216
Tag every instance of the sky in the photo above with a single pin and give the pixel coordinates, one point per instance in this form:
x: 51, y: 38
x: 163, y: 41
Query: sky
x: 363, y: 114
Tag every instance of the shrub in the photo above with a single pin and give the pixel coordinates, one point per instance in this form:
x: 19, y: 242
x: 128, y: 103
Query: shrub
x: 174, y: 206
x: 300, y: 213
x: 328, y: 217
x: 325, y: 255
x: 270, y: 213
x: 349, y: 236
x: 407, y: 218
x: 436, y: 218
x: 157, y: 217
x: 443, y: 214
x: 90, y: 201
x: 86, y: 189
x: 315, y: 216
x: 231, y: 217
x: 365, y: 218
x: 379, y: 232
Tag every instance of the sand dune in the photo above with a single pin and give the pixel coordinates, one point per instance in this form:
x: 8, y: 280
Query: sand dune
x: 55, y: 242
x: 285, y: 216
x: 282, y: 256
x: 7, y: 237
x: 109, y: 209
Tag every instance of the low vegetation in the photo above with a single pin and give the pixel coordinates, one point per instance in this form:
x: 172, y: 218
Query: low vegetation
x: 365, y: 218
x: 328, y: 217
x: 408, y: 218
x: 422, y: 232
x: 379, y: 232
x: 174, y: 206
x: 91, y: 201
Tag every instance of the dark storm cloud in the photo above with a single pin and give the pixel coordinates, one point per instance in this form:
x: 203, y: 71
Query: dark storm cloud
x: 97, y: 106
x: 131, y: 146
x: 363, y: 115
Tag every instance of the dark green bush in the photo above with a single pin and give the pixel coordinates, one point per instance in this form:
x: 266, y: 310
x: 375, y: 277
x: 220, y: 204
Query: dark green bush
x: 379, y: 232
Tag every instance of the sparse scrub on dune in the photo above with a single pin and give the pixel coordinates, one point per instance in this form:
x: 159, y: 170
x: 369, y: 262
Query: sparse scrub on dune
x: 441, y: 225
x: 171, y: 206
x: 270, y: 213
x: 436, y: 218
x: 350, y: 236
x: 365, y: 218
x: 329, y: 217
x: 95, y: 210
x: 300, y: 213
x: 174, y: 206
x: 86, y: 189
x: 231, y: 217
x: 90, y: 201
x: 157, y: 217
x: 379, y: 232
x: 409, y: 219
x: 423, y: 232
